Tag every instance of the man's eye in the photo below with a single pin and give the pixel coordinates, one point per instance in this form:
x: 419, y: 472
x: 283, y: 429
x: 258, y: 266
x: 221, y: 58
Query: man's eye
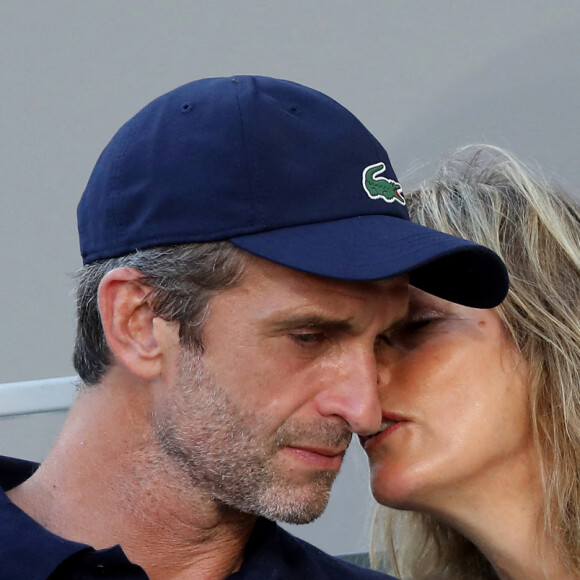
x: 308, y: 337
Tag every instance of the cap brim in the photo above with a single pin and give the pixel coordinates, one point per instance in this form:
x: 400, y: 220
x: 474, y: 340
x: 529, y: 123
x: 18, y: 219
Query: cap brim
x: 376, y: 247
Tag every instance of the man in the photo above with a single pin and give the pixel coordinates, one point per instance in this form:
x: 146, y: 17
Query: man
x: 247, y: 257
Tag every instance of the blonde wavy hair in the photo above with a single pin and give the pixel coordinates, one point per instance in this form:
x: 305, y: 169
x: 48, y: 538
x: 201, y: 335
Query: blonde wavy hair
x: 486, y: 194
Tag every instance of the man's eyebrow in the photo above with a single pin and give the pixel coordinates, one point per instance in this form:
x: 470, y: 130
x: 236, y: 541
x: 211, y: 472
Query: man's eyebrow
x: 317, y: 322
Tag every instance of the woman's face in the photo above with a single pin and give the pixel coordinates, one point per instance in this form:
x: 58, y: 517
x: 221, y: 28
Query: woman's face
x: 457, y: 409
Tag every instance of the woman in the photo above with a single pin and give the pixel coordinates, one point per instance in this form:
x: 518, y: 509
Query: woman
x: 481, y: 439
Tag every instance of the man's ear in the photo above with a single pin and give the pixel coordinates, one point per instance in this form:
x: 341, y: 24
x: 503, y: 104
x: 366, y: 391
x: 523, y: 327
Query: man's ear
x: 133, y: 333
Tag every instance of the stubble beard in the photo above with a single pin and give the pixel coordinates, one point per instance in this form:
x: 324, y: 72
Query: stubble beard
x: 220, y: 449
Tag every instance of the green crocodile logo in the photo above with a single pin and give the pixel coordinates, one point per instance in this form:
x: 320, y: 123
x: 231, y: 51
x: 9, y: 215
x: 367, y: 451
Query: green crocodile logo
x: 379, y: 187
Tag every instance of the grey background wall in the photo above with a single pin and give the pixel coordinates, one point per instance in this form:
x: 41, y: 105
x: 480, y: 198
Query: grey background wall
x: 424, y: 75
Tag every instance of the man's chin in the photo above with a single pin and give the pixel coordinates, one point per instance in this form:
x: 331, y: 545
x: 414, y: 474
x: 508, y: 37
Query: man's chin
x: 301, y: 505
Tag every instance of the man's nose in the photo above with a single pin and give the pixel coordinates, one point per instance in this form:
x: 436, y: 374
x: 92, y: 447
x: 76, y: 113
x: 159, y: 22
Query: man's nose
x: 352, y: 394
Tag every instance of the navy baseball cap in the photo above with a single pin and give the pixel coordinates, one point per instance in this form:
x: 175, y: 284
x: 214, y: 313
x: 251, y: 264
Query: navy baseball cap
x: 283, y: 172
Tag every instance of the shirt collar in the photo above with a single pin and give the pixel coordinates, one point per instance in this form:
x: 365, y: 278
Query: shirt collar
x: 27, y: 550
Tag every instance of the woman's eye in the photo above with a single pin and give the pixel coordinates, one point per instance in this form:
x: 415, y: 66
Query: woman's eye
x: 413, y: 331
x: 416, y: 324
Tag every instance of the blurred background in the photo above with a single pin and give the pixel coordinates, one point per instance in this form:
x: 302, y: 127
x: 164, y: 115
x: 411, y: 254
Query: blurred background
x: 425, y: 76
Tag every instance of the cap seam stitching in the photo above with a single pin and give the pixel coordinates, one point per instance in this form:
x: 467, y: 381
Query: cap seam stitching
x: 250, y: 159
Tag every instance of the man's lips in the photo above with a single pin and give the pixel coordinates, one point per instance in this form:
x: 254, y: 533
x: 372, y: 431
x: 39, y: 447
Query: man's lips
x: 325, y: 451
x: 320, y: 457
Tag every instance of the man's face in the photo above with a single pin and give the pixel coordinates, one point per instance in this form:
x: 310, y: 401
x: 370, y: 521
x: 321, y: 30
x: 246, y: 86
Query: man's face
x: 291, y: 362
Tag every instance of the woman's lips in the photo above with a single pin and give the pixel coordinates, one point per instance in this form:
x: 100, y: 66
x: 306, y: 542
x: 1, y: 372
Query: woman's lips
x: 386, y: 425
x: 389, y: 425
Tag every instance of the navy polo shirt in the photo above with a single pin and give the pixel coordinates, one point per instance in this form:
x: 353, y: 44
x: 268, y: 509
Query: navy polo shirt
x: 30, y: 552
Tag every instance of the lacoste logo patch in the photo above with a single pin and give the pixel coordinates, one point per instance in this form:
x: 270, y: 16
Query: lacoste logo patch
x: 380, y: 187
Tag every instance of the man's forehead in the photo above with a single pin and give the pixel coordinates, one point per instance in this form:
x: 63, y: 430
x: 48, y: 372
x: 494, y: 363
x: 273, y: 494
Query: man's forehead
x: 294, y: 298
